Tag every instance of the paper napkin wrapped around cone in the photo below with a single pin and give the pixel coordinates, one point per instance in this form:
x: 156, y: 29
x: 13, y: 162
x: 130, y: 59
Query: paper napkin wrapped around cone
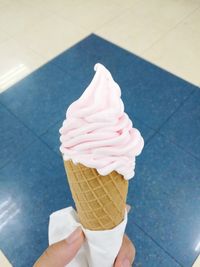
x: 100, y: 248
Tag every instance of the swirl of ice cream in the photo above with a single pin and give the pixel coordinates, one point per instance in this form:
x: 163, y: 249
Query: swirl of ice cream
x: 97, y: 132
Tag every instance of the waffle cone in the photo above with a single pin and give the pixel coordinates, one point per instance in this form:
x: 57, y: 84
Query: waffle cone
x: 100, y: 200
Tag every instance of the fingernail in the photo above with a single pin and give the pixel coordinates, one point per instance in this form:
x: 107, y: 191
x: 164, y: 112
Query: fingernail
x: 128, y: 207
x: 126, y: 263
x: 74, y: 235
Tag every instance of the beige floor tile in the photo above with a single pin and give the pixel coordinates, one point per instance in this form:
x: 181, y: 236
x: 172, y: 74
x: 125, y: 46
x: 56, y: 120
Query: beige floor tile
x: 50, y: 5
x: 197, y: 262
x: 147, y: 21
x: 3, y: 35
x: 54, y: 6
x: 16, y: 62
x: 179, y: 50
x: 91, y: 14
x: 17, y: 16
x: 4, y: 3
x: 4, y: 261
x: 126, y: 3
x: 51, y: 36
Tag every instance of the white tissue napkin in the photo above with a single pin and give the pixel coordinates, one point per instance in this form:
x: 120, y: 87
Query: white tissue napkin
x: 100, y: 248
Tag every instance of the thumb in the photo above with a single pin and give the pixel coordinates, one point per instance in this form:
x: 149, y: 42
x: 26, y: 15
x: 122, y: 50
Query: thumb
x: 61, y: 253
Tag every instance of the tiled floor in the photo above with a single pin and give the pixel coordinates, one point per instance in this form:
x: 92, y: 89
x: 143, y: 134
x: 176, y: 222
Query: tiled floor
x: 3, y: 260
x: 164, y: 223
x: 164, y: 32
x: 197, y: 262
x: 165, y: 192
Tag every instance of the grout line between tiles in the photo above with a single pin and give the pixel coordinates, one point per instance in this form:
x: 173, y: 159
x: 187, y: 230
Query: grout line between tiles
x: 50, y: 60
x: 163, y: 249
x: 24, y: 149
x: 47, y: 59
x: 112, y: 19
x: 176, y: 110
x: 124, y: 10
x: 49, y: 128
x: 47, y: 145
x: 150, y: 138
x: 38, y: 137
x: 147, y: 142
x: 63, y: 71
x: 142, y: 57
x: 172, y: 142
x: 196, y: 261
x: 168, y: 31
x: 145, y: 124
x: 180, y: 147
x: 127, y: 51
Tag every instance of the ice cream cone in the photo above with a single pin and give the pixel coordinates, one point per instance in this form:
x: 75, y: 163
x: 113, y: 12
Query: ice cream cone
x: 100, y: 200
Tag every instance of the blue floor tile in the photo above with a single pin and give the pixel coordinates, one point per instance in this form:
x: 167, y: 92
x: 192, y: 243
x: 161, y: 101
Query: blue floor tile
x: 40, y: 100
x: 165, y: 195
x: 146, y: 132
x: 31, y: 188
x: 52, y: 137
x: 14, y: 136
x: 184, y: 127
x: 149, y: 93
x: 148, y: 254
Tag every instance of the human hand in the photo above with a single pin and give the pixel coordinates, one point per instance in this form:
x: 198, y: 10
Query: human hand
x: 61, y: 253
x: 126, y: 255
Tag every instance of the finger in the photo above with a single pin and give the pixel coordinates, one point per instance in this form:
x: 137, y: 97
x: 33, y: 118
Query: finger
x: 61, y: 253
x: 126, y: 253
x: 128, y: 208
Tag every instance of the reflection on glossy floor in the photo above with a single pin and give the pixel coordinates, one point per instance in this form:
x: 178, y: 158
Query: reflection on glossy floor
x: 165, y: 193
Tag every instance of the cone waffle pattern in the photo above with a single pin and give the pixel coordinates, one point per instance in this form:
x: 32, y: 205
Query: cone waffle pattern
x: 100, y: 200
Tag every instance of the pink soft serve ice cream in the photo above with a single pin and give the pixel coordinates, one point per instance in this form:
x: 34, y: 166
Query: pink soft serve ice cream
x: 97, y: 132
